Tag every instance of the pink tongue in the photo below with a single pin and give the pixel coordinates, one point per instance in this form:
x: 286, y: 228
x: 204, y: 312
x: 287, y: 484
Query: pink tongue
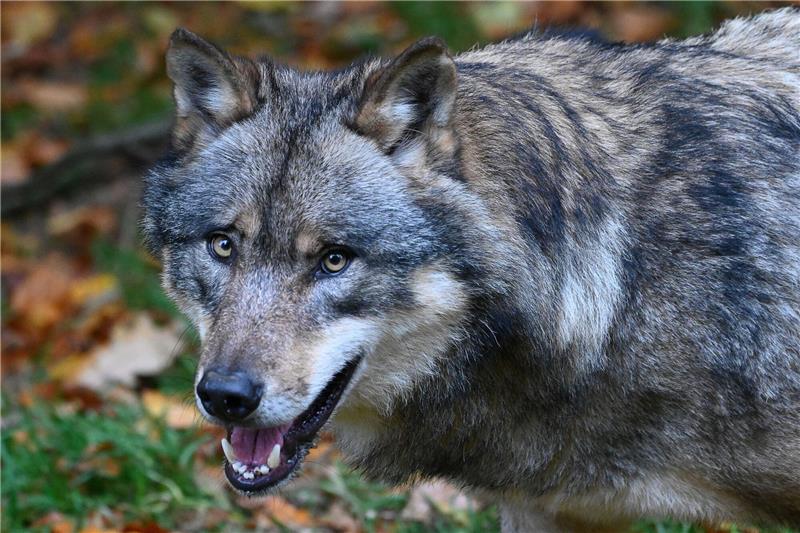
x: 253, y: 446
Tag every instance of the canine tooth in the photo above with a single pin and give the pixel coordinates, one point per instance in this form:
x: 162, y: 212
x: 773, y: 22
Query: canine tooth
x: 263, y: 469
x: 227, y: 449
x: 248, y: 475
x: 274, y: 457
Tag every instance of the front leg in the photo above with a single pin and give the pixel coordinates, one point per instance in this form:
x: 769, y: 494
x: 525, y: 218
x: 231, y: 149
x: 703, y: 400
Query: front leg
x: 516, y: 518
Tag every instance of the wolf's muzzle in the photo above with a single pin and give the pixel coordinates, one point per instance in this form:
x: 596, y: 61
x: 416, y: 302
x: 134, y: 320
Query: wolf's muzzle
x: 227, y: 395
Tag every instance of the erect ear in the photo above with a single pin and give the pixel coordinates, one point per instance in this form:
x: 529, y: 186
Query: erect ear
x: 413, y: 95
x: 212, y: 88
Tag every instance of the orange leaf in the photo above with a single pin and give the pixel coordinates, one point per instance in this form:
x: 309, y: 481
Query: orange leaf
x: 92, y: 288
x: 14, y: 167
x: 280, y: 510
x: 42, y: 299
x: 68, y: 368
x: 53, y: 95
x: 85, y: 222
x: 176, y: 412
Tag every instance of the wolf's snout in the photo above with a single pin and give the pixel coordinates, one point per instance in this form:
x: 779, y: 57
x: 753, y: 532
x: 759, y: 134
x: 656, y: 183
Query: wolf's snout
x: 229, y: 396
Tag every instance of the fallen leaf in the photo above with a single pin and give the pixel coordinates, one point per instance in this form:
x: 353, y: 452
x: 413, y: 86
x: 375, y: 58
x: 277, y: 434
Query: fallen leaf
x: 322, y: 450
x: 94, y: 462
x: 175, y: 410
x: 14, y: 167
x: 42, y: 299
x: 25, y: 23
x: 435, y: 496
x: 52, y: 95
x: 338, y: 519
x: 643, y: 23
x: 282, y: 513
x: 13, y: 243
x: 137, y: 348
x: 97, y: 288
x: 143, y: 527
x: 67, y: 368
x: 554, y: 13
x: 83, y: 398
x: 44, y: 150
x: 56, y: 521
x: 83, y: 222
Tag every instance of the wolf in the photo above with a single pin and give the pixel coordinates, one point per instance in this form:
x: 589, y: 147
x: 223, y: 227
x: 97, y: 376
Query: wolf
x: 561, y: 273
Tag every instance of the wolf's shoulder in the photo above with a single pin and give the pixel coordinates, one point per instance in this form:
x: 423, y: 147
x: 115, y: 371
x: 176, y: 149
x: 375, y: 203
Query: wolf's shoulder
x: 773, y: 35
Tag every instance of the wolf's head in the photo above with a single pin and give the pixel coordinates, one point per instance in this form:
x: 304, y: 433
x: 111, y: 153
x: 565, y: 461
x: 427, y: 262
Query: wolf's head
x: 317, y: 229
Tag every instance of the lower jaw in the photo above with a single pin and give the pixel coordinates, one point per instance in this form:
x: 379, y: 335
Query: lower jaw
x: 267, y: 482
x: 298, y: 440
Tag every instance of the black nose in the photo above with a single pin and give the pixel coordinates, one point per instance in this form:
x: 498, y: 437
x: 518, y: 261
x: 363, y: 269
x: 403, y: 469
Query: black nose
x: 228, y: 395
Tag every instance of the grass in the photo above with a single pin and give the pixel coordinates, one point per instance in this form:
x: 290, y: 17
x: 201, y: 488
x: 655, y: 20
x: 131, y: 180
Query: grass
x: 138, y: 277
x: 117, y: 459
x: 122, y: 462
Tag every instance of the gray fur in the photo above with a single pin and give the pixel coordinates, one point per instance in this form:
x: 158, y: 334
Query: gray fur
x: 618, y: 230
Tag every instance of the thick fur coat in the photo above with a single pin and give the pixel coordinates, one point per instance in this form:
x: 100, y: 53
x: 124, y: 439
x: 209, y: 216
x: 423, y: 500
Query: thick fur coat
x: 574, y: 266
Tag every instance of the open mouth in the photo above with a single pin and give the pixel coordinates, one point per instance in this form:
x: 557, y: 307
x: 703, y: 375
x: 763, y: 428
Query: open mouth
x: 258, y: 459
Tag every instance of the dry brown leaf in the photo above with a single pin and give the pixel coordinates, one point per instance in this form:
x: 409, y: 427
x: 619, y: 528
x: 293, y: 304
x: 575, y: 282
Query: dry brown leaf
x: 143, y: 527
x: 25, y: 23
x: 323, y: 449
x: 176, y: 412
x: 338, y: 519
x: 100, y: 287
x: 44, y: 150
x: 52, y: 95
x: 279, y: 510
x: 15, y: 243
x: 42, y: 299
x: 137, y: 348
x: 56, y: 521
x: 68, y: 368
x: 14, y: 167
x: 551, y: 13
x: 84, y: 222
x: 643, y: 23
x: 425, y: 498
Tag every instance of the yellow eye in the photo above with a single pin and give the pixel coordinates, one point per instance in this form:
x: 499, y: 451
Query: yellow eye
x: 221, y: 245
x: 334, y: 262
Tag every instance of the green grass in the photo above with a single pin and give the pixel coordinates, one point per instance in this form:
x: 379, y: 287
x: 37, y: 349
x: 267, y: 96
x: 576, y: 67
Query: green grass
x: 122, y: 462
x: 78, y: 463
x: 138, y: 277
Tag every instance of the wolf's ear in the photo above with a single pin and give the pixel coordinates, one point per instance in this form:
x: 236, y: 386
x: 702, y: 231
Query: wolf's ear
x: 410, y: 96
x: 212, y: 88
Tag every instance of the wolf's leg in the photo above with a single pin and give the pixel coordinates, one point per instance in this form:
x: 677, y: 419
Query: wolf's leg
x: 516, y: 519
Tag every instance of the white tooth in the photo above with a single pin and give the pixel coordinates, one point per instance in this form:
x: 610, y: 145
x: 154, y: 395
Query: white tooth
x: 248, y: 475
x: 263, y: 469
x: 227, y: 449
x: 239, y: 467
x: 274, y: 457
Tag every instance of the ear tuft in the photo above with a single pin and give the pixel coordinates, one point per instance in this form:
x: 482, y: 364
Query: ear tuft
x: 414, y: 93
x: 209, y: 82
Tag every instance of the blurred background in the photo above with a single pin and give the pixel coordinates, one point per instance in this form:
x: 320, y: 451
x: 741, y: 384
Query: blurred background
x: 99, y: 431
